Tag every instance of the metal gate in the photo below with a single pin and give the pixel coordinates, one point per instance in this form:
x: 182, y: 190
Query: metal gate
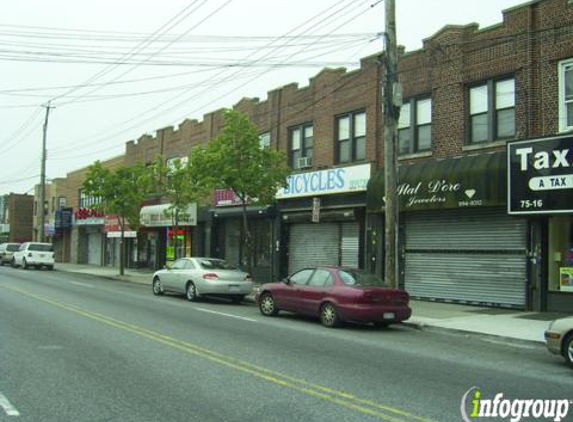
x: 323, y: 244
x: 94, y: 248
x: 467, y: 256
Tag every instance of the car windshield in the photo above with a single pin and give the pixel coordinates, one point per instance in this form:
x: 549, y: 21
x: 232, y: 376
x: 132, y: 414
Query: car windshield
x: 12, y: 248
x: 216, y: 264
x: 40, y: 247
x: 360, y: 278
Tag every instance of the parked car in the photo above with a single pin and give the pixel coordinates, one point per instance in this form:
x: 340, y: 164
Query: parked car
x: 559, y: 338
x: 197, y: 277
x: 6, y: 252
x: 336, y: 294
x: 34, y: 254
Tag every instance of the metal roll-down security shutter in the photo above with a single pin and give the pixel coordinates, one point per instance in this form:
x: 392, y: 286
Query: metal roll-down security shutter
x: 313, y: 244
x: 467, y: 256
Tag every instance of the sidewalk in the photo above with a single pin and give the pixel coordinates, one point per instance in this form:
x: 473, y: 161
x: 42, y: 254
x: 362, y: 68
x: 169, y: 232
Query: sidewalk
x: 504, y: 324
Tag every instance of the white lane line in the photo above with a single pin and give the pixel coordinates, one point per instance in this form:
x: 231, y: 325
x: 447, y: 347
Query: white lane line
x: 7, y: 406
x: 227, y: 315
x: 81, y: 284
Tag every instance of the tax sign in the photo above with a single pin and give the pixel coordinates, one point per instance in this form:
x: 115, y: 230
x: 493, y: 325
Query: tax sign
x: 540, y: 176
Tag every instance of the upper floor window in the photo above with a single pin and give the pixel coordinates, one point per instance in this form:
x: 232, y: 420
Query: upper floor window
x: 415, y: 126
x: 265, y: 140
x: 566, y: 95
x: 351, y: 137
x: 87, y: 201
x: 300, y: 146
x: 492, y: 111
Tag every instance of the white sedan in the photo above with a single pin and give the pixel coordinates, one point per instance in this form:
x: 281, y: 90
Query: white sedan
x: 196, y: 277
x: 559, y: 338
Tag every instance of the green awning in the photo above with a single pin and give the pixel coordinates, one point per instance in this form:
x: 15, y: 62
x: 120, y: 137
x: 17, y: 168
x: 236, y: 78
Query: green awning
x: 469, y: 181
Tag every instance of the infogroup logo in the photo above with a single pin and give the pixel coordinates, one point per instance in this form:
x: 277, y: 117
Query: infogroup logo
x: 474, y: 407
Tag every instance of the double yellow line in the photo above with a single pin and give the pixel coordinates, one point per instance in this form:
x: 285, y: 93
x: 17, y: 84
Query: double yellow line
x: 340, y: 398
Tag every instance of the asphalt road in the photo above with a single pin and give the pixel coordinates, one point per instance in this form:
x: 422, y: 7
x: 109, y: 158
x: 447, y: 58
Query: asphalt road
x: 80, y: 348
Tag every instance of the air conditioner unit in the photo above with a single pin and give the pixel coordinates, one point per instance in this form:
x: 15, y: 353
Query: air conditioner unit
x: 304, y: 162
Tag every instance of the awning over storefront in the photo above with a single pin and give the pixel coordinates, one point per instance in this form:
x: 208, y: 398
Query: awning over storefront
x: 163, y: 216
x: 469, y: 181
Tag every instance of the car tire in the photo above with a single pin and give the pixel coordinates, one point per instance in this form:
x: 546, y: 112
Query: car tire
x: 24, y: 264
x: 329, y: 315
x: 156, y: 287
x: 267, y: 305
x: 237, y: 299
x: 191, y: 292
x: 568, y: 350
x: 50, y: 267
x: 13, y: 263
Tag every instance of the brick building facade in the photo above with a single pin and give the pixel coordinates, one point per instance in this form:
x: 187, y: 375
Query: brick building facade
x: 467, y: 93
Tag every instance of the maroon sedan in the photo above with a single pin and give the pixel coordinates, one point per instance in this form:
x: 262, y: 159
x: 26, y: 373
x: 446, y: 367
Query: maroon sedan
x: 336, y: 294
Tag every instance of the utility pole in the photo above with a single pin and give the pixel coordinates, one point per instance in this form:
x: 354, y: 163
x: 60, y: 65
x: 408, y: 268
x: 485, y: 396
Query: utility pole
x: 43, y: 177
x: 392, y: 102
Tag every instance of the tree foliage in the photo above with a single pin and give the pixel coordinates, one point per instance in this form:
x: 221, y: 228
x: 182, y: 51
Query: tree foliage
x: 119, y: 192
x: 235, y: 160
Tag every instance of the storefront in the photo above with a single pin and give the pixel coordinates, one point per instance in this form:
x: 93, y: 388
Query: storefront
x: 322, y: 217
x: 88, y: 237
x: 112, y: 253
x: 165, y: 235
x: 540, y: 188
x: 457, y: 242
x: 227, y: 229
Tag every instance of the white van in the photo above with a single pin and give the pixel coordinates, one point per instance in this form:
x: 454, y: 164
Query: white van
x: 34, y: 254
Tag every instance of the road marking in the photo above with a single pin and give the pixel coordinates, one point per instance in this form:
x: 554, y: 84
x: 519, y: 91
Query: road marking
x: 82, y: 284
x: 300, y: 385
x: 7, y: 406
x: 227, y: 315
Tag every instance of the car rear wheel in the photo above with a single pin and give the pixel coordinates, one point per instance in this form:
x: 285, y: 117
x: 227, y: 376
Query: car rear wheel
x: 13, y: 263
x: 191, y: 292
x: 329, y: 315
x: 157, y: 288
x: 568, y: 350
x: 24, y: 264
x: 267, y: 305
x: 50, y: 267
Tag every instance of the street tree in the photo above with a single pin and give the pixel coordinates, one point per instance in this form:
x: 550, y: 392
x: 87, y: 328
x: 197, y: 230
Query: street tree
x: 120, y: 192
x: 178, y: 184
x: 236, y: 160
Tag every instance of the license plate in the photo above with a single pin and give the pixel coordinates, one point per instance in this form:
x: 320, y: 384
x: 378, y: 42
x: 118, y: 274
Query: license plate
x: 234, y: 289
x: 389, y: 315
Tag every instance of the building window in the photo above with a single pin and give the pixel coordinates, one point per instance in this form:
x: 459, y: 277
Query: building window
x: 492, y: 111
x: 351, y: 137
x: 87, y: 201
x: 265, y: 140
x: 301, y: 139
x: 566, y: 95
x: 560, y: 271
x: 415, y: 126
x: 61, y: 202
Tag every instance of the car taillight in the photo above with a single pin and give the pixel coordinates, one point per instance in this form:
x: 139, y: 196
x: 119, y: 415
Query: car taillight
x: 210, y: 276
x: 249, y: 278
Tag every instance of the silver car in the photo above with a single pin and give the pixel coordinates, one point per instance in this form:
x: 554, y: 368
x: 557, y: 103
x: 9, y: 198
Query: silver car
x: 7, y: 251
x: 559, y: 338
x: 196, y: 277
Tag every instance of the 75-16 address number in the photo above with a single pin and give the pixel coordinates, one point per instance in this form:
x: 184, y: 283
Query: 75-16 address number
x: 531, y: 203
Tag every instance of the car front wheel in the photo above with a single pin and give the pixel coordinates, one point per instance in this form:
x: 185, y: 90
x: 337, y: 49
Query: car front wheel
x: 157, y: 288
x: 568, y: 350
x: 191, y: 292
x: 329, y: 315
x: 24, y: 264
x: 267, y: 305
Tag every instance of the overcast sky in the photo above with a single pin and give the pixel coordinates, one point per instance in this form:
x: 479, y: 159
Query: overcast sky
x: 115, y: 70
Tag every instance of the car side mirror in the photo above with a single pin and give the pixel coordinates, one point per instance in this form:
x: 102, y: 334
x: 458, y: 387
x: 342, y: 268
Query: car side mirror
x: 285, y: 280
